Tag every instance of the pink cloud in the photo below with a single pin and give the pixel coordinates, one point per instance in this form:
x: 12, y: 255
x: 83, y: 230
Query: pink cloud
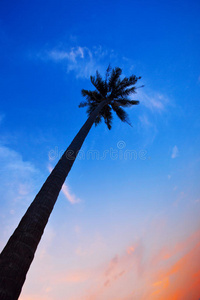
x: 139, y: 271
x: 66, y: 191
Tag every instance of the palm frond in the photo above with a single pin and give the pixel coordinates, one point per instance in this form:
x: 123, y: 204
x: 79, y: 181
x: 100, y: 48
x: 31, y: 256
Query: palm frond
x: 83, y: 104
x: 122, y: 115
x: 107, y: 115
x: 126, y: 102
x: 108, y: 71
x: 114, y: 77
x: 113, y: 89
x: 98, y: 120
x: 128, y: 81
x: 91, y: 95
x: 90, y: 108
x: 128, y: 91
x: 99, y: 84
x: 125, y: 87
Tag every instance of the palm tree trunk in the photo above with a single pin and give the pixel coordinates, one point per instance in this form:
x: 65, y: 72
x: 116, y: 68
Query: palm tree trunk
x: 18, y: 254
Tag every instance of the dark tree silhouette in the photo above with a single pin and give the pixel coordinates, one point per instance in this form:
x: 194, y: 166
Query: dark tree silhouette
x: 110, y: 94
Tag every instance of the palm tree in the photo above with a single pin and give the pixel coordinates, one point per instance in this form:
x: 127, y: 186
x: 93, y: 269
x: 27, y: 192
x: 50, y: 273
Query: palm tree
x: 15, y: 259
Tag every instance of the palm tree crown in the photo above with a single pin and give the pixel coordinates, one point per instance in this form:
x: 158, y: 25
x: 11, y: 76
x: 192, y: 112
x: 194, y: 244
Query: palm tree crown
x: 115, y: 91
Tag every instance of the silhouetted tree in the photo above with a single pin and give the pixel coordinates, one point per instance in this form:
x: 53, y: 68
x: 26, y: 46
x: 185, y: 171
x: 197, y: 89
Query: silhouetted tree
x: 110, y: 94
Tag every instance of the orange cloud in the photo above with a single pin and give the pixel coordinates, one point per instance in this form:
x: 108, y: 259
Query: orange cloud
x: 76, y: 277
x: 174, y: 275
x: 112, y: 265
x: 182, y: 279
x: 164, y: 283
x: 130, y: 249
x: 171, y: 273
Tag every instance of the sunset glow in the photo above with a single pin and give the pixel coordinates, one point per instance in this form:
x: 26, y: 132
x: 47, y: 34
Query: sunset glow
x: 126, y: 225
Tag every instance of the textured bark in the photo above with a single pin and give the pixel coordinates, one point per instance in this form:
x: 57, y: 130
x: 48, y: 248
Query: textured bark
x: 18, y: 254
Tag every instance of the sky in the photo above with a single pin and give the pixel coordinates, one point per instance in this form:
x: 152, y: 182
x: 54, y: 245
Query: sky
x: 126, y: 224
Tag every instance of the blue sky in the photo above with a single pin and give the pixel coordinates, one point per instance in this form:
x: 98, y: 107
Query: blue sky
x: 113, y: 214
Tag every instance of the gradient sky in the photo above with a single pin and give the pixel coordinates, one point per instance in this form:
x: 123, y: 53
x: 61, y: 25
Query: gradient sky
x: 126, y: 224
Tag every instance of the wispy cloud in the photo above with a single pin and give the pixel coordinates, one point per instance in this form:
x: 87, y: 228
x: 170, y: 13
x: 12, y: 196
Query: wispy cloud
x: 20, y: 181
x: 144, y: 120
x: 175, y: 152
x: 72, y: 55
x: 82, y: 60
x: 18, y: 175
x: 71, y: 197
x: 154, y: 101
x: 186, y: 277
x: 154, y: 105
x: 144, y: 269
x: 66, y: 191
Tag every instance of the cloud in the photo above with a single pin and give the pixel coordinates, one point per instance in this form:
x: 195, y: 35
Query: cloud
x: 73, y: 55
x: 166, y: 272
x: 82, y: 60
x: 175, y: 152
x: 71, y: 197
x: 75, y: 277
x: 145, y: 121
x: 18, y: 177
x: 185, y: 274
x: 66, y: 191
x: 154, y: 101
x: 140, y: 270
x: 20, y: 181
x: 112, y: 265
x: 130, y: 249
x: 153, y: 106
